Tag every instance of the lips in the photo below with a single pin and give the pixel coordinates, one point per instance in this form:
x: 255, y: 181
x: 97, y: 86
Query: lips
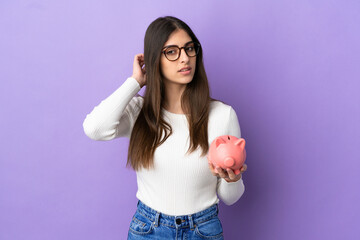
x: 187, y: 68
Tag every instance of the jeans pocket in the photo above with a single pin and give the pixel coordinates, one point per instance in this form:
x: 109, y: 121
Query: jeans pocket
x: 141, y: 225
x: 210, y: 229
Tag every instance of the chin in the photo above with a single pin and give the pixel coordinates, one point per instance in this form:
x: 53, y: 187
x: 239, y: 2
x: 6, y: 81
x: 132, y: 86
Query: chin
x: 187, y: 79
x: 181, y: 79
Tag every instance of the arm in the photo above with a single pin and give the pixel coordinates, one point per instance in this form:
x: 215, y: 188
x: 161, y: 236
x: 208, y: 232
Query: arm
x: 115, y: 116
x: 230, y: 192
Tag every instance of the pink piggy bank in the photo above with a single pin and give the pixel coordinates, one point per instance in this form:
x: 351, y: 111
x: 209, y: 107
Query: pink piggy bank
x: 227, y: 151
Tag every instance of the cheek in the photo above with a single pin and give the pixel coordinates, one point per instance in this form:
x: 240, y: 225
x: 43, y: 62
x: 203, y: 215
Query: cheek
x: 194, y: 64
x: 163, y: 67
x: 194, y: 61
x: 168, y: 69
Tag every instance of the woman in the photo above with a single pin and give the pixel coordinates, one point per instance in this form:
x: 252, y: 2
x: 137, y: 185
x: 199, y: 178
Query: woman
x: 170, y: 130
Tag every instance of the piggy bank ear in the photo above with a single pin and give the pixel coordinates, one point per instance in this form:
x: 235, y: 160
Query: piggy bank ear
x: 240, y: 142
x: 219, y: 141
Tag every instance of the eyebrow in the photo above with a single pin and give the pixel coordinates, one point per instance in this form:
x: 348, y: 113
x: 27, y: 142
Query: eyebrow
x: 177, y: 45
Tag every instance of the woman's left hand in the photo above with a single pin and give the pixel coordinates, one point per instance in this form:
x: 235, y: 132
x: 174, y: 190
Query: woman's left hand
x: 228, y: 174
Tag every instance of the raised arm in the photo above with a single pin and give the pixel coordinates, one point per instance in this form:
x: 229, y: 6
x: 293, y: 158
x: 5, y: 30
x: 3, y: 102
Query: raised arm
x: 115, y: 116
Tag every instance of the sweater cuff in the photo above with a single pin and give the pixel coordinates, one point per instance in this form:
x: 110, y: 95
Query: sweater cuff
x: 134, y: 82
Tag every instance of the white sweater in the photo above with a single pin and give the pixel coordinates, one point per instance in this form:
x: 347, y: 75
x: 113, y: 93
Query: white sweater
x: 180, y: 184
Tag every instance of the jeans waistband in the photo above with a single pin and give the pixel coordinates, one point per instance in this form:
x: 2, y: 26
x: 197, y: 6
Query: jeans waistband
x: 177, y: 221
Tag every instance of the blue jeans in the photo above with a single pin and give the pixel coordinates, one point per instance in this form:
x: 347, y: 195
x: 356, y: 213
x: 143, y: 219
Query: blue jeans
x: 148, y: 223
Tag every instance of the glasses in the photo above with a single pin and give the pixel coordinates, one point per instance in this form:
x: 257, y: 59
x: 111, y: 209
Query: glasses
x: 173, y: 52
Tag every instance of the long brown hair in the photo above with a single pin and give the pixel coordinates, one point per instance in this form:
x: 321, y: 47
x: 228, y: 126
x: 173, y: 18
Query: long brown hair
x: 150, y: 124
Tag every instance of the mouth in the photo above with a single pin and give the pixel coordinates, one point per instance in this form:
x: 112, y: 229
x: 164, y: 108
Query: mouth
x: 185, y: 69
x: 185, y: 72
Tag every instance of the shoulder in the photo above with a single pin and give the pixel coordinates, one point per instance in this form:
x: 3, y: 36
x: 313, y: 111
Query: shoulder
x: 221, y: 113
x: 220, y: 109
x: 222, y: 120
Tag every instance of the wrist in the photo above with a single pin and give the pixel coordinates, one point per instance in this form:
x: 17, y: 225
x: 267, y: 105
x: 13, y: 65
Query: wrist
x: 234, y: 180
x: 137, y: 81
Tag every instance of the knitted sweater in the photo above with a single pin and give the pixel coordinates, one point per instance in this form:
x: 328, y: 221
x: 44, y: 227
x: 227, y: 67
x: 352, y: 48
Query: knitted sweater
x: 180, y: 184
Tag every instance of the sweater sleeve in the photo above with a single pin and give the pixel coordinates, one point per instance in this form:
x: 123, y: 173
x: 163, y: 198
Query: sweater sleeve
x: 230, y: 192
x: 115, y: 116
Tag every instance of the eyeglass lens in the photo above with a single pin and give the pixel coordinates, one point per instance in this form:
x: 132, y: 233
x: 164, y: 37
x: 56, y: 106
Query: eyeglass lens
x: 173, y: 53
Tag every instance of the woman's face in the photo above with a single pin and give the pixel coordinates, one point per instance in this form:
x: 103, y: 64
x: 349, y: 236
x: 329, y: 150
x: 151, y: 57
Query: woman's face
x: 171, y: 69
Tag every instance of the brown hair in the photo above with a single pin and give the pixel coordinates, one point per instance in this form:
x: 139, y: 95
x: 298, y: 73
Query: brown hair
x: 150, y: 125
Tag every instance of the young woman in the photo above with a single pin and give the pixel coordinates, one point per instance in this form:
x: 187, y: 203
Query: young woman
x: 170, y: 130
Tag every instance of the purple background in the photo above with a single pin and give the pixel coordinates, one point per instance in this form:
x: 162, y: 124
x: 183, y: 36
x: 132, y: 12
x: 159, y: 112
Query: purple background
x: 290, y: 69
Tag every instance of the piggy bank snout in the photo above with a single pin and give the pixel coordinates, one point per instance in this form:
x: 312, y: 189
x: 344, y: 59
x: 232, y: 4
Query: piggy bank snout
x: 229, y: 162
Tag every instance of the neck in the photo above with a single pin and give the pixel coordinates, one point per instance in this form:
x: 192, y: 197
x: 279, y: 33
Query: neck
x: 173, y: 93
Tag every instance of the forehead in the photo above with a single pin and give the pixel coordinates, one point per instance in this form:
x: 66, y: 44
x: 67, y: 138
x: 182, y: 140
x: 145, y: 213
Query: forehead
x: 178, y: 37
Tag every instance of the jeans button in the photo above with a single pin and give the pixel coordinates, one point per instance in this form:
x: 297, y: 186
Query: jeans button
x: 178, y: 221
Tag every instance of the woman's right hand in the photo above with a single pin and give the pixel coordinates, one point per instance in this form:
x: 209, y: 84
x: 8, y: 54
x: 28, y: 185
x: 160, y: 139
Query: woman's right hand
x: 139, y: 72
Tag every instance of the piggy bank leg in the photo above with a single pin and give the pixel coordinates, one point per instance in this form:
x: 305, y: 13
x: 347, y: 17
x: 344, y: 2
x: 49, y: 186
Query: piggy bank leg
x: 237, y: 171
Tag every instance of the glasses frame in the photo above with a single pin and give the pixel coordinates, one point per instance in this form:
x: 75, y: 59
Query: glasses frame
x: 196, y: 46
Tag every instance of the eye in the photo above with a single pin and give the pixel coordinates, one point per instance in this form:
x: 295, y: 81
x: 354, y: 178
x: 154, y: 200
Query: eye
x: 188, y: 49
x: 228, y: 137
x: 171, y: 51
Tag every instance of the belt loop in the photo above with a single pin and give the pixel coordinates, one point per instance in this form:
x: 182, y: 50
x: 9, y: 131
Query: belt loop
x: 157, y: 218
x: 191, y: 222
x: 217, y: 208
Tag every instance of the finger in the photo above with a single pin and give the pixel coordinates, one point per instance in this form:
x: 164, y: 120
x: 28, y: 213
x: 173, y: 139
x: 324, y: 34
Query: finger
x: 218, y: 170
x: 210, y: 165
x: 212, y: 169
x: 231, y: 173
x: 221, y: 172
x: 243, y: 168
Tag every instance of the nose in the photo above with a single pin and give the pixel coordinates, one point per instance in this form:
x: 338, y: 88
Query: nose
x: 183, y: 56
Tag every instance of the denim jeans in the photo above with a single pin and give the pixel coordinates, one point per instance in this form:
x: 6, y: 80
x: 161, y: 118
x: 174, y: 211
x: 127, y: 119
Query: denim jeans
x: 148, y: 223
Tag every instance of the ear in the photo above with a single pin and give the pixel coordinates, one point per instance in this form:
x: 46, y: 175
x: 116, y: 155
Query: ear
x: 219, y: 141
x: 240, y: 142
